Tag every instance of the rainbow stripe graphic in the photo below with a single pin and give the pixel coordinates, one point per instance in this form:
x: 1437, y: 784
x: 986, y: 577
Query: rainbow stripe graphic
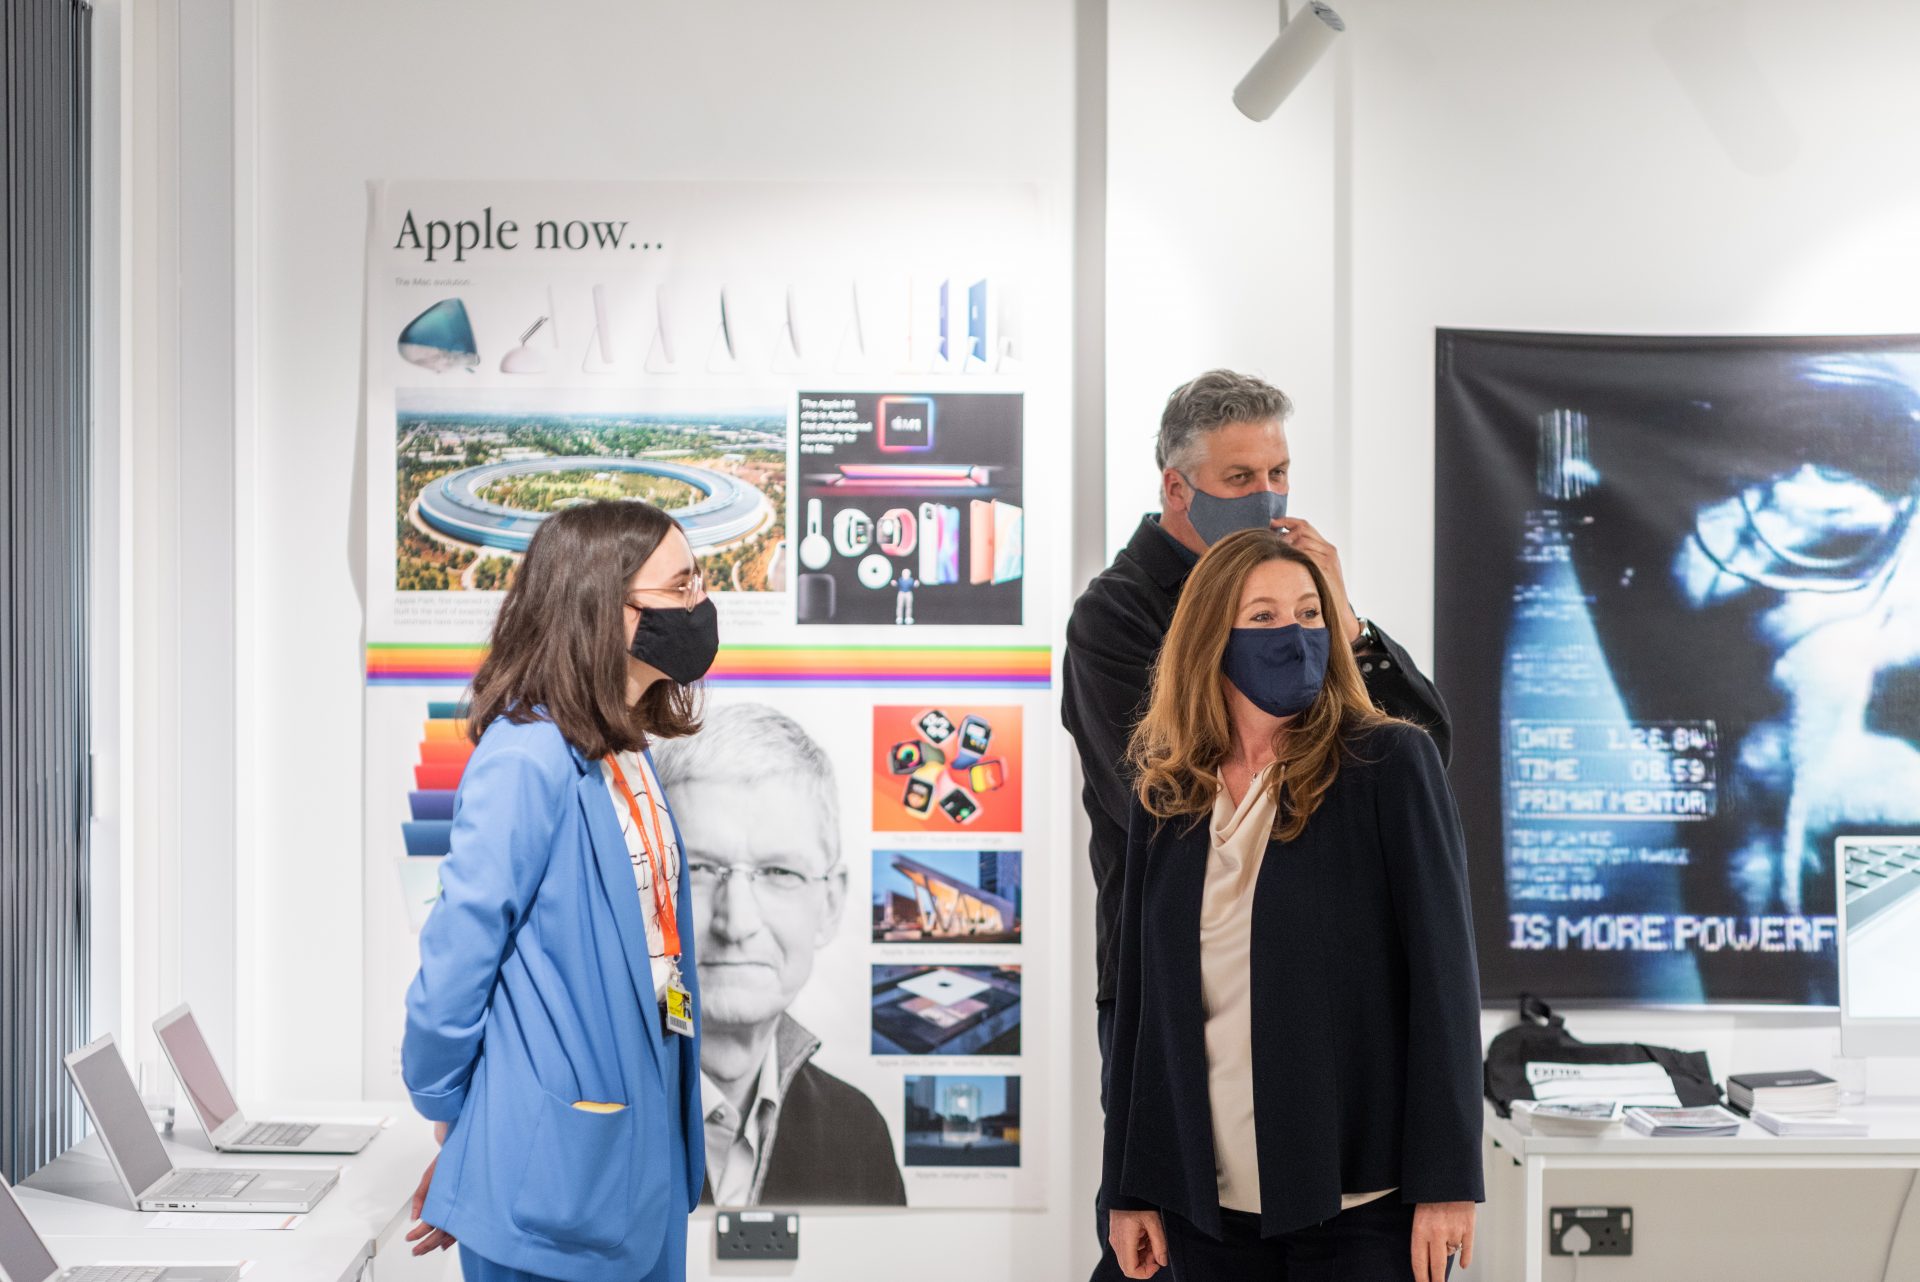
x: 443, y: 752
x: 1029, y: 666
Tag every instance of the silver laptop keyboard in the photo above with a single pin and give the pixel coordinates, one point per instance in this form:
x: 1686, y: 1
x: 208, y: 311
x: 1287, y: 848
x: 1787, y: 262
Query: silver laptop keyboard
x: 187, y: 1185
x: 277, y: 1134
x: 107, y: 1273
x: 1879, y: 872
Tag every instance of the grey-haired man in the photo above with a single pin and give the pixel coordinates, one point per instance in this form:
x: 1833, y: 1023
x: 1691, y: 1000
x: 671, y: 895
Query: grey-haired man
x: 1224, y: 466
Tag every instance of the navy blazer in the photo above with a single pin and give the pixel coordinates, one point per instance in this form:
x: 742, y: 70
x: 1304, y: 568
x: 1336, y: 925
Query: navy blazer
x: 1113, y: 637
x: 1366, y: 1004
x: 535, y: 991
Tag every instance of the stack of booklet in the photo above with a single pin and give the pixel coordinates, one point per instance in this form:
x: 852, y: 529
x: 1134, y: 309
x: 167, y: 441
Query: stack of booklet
x: 1801, y: 1091
x: 1566, y: 1117
x: 1692, y: 1123
x: 1808, y: 1123
x: 1802, y: 1102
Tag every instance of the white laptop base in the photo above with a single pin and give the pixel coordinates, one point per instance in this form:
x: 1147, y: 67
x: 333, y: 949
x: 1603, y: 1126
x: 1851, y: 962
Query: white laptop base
x: 150, y: 1273
x: 266, y: 1137
x: 230, y: 1189
x: 206, y: 1087
x: 24, y: 1257
x: 147, y: 1172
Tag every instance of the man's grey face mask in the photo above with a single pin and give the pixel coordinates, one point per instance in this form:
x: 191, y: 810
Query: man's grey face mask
x: 1214, y: 518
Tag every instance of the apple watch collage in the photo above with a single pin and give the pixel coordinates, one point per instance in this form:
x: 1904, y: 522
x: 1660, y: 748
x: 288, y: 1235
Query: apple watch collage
x: 947, y: 767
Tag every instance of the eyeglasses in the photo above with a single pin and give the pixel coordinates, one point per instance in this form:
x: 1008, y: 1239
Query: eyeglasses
x: 689, y: 594
x: 769, y: 882
x: 1817, y: 528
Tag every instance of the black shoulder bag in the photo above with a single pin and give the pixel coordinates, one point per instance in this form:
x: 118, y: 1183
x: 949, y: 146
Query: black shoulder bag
x: 1541, y: 1037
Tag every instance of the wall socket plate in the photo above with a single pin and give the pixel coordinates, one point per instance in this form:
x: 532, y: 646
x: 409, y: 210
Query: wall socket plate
x: 756, y: 1235
x: 1609, y: 1227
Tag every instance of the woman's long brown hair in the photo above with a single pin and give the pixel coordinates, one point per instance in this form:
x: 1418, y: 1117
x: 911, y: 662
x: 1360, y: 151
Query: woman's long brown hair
x: 1182, y: 741
x: 560, y: 641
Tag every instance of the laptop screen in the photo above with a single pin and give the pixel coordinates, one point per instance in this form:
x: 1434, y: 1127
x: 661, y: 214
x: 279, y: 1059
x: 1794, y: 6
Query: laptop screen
x: 119, y: 1116
x: 193, y: 1061
x: 23, y: 1256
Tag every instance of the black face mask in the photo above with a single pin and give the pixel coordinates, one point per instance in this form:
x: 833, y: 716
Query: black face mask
x: 680, y: 643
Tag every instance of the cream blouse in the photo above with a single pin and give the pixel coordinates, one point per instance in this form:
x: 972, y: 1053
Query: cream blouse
x: 1240, y: 837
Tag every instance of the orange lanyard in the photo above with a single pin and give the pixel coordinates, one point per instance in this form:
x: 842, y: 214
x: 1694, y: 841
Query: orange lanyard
x: 656, y: 858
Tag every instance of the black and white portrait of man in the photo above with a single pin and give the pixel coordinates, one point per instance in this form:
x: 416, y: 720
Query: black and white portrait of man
x: 759, y: 811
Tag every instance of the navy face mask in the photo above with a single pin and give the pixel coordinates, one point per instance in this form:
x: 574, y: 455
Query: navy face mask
x: 1280, y: 669
x: 1214, y: 518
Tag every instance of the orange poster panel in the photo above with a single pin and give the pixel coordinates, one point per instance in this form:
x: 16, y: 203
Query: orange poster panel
x: 949, y: 769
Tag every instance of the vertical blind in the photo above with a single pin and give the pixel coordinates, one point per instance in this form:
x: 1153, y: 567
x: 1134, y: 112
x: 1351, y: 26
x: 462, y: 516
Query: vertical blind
x: 45, y: 469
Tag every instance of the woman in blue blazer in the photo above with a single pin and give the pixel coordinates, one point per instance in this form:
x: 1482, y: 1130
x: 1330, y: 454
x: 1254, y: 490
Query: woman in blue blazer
x: 551, y: 1028
x: 1295, y: 1087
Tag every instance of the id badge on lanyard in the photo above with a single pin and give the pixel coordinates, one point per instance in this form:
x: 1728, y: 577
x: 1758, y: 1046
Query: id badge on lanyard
x: 677, y: 1008
x: 679, y: 1005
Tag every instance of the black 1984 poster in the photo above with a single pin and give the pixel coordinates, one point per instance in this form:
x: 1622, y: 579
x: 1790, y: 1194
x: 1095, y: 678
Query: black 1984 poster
x: 1677, y: 595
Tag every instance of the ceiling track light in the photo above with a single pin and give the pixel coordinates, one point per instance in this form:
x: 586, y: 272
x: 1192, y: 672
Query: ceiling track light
x: 1286, y: 62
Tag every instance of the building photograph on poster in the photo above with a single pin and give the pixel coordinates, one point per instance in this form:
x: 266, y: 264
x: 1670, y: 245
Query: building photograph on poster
x: 963, y: 1121
x: 770, y: 886
x: 477, y: 470
x: 1678, y: 594
x: 910, y: 508
x: 946, y: 770
x: 946, y: 1010
x: 946, y: 897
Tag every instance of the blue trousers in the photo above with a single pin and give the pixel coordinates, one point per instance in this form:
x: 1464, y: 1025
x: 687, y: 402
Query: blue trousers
x: 672, y: 1264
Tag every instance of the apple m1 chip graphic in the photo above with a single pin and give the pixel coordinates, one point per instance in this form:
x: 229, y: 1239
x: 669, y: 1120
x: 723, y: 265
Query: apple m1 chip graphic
x: 905, y: 422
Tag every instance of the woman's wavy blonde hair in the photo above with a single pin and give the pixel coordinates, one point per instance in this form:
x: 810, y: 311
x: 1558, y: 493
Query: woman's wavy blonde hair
x: 1178, y: 747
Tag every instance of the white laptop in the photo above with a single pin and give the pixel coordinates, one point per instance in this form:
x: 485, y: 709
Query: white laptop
x: 213, y: 1104
x: 24, y: 1257
x: 1878, y: 897
x: 141, y: 1161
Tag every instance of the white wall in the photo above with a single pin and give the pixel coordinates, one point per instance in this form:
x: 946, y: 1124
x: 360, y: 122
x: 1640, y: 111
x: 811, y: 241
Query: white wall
x: 1218, y: 240
x: 108, y: 652
x: 1541, y: 166
x: 167, y: 399
x: 1513, y: 164
x: 858, y: 90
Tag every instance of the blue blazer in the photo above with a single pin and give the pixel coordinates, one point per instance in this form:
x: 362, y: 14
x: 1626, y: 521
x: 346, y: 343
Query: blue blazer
x: 535, y: 991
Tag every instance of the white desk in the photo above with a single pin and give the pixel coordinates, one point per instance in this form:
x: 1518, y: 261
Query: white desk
x: 1893, y: 1143
x: 294, y: 1256
x: 77, y: 1195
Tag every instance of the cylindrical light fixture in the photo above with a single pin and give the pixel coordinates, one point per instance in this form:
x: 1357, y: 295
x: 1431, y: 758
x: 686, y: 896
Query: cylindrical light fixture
x: 1287, y: 61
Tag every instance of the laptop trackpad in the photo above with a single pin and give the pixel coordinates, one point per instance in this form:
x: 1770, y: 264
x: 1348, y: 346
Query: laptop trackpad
x: 268, y: 1188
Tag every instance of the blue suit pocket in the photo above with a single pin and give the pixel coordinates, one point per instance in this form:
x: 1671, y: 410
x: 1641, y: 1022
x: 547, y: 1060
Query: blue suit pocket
x: 577, y: 1185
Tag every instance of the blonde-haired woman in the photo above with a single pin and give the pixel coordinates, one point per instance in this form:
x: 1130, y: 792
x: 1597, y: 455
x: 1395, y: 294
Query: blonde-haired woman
x: 1296, y: 1058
